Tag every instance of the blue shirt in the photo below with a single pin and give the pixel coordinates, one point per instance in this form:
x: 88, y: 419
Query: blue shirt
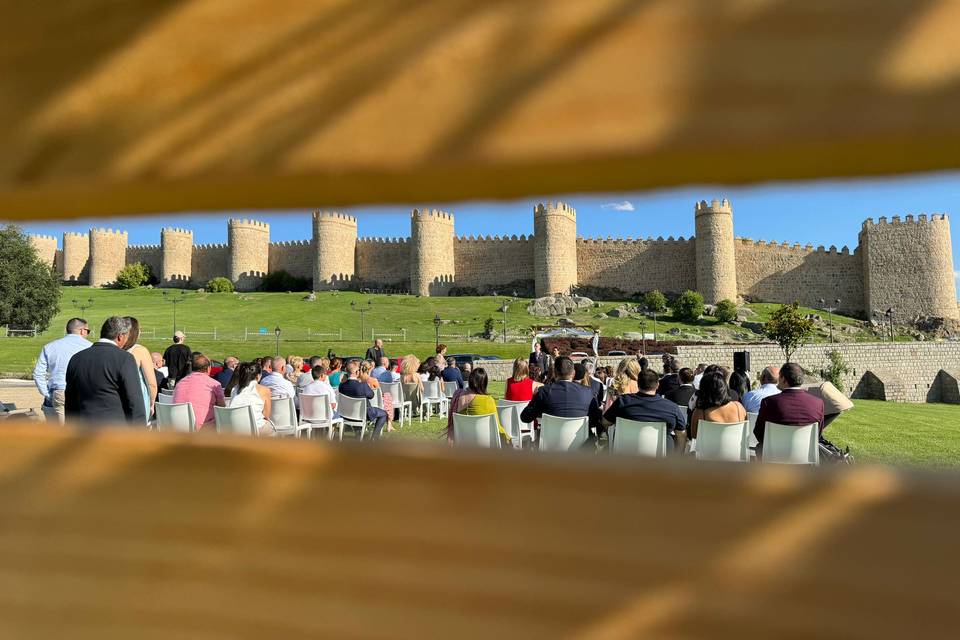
x: 751, y: 399
x: 51, y: 370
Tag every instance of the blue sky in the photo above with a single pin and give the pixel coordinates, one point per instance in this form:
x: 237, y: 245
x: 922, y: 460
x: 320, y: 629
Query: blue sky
x: 820, y: 212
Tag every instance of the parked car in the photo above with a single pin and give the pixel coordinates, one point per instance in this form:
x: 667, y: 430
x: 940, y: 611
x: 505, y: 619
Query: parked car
x: 616, y: 352
x: 472, y: 358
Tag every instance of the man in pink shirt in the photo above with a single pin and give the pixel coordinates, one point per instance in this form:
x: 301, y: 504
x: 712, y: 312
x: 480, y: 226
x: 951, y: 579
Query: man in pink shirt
x: 200, y: 390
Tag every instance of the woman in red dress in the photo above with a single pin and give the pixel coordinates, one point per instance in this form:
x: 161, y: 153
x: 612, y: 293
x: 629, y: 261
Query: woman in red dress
x: 520, y: 386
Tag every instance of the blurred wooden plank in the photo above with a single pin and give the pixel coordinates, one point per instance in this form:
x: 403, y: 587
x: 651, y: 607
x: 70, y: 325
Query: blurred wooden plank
x: 113, y: 108
x: 125, y: 534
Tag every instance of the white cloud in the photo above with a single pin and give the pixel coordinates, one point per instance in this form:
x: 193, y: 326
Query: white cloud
x: 626, y: 205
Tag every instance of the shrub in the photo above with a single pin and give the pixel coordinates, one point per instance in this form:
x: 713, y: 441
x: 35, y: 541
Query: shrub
x: 836, y: 369
x: 788, y: 328
x: 725, y: 311
x: 284, y: 281
x: 688, y: 307
x: 489, y: 327
x: 220, y: 285
x: 655, y: 302
x: 132, y: 276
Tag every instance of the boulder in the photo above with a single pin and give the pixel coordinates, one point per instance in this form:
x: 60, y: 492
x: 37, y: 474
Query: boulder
x: 558, y: 305
x: 617, y: 313
x: 745, y: 312
x: 756, y: 327
x: 312, y: 297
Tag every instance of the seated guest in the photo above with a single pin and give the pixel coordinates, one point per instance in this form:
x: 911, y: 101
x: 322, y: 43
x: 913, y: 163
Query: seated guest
x: 200, y: 390
x: 739, y: 383
x: 625, y: 380
x: 423, y: 370
x: 245, y: 391
x: 411, y: 382
x: 159, y: 371
x: 474, y: 401
x: 834, y: 402
x: 433, y: 373
x: 563, y: 398
x: 536, y: 375
x: 294, y: 369
x: 792, y: 406
x: 644, y: 363
x: 465, y: 369
x: 275, y: 381
x: 366, y: 376
x: 451, y: 373
x: 581, y: 374
x: 306, y: 378
x: 682, y: 394
x: 380, y: 365
x: 670, y: 379
x: 601, y: 375
x: 595, y: 382
x: 768, y: 387
x: 713, y: 403
x: 336, y: 371
x: 229, y: 365
x: 320, y: 385
x: 352, y: 387
x: 698, y: 373
x: 520, y: 385
x: 387, y: 375
x: 647, y: 406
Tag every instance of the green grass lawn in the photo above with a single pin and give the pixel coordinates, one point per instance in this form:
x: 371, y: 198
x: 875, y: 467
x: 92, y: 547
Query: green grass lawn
x: 199, y: 314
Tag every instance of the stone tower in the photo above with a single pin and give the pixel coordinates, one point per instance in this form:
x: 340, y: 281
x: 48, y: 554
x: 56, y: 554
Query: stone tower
x: 46, y: 248
x: 908, y: 267
x: 716, y: 254
x: 176, y: 266
x: 108, y: 255
x: 554, y: 248
x: 249, y: 242
x: 335, y: 244
x: 431, y: 253
x: 75, y: 265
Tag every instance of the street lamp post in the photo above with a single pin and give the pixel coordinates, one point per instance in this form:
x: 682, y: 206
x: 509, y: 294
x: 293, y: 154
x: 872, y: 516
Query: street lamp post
x: 276, y: 332
x: 436, y: 327
x: 175, y: 300
x: 830, y: 310
x: 83, y: 306
x: 643, y: 335
x: 363, y: 310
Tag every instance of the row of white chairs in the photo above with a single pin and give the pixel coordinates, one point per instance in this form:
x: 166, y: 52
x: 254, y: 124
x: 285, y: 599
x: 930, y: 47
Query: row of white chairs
x: 782, y: 444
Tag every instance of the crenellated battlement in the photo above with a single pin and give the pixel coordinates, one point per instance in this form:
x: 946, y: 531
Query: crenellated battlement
x: 256, y: 225
x: 108, y: 233
x: 176, y: 231
x: 143, y: 247
x: 379, y: 240
x: 714, y: 206
x: 335, y: 216
x: 670, y: 240
x: 555, y: 208
x: 292, y: 243
x: 920, y: 219
x: 43, y: 238
x: 491, y: 239
x: 432, y: 215
x: 75, y: 234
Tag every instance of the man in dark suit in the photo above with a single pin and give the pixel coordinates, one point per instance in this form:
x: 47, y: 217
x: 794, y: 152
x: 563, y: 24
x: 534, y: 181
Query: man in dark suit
x: 375, y: 352
x: 353, y: 388
x: 647, y: 406
x: 178, y: 357
x: 539, y: 358
x: 670, y: 379
x: 229, y: 365
x: 563, y: 398
x: 451, y: 373
x: 682, y: 394
x: 792, y: 406
x: 103, y: 382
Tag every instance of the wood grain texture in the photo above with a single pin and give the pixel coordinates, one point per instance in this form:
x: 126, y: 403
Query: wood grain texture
x: 122, y: 534
x: 170, y: 105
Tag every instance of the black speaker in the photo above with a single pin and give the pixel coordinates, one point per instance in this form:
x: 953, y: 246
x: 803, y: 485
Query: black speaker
x: 741, y: 361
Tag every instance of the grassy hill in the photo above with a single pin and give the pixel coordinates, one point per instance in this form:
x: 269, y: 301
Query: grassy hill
x: 332, y: 321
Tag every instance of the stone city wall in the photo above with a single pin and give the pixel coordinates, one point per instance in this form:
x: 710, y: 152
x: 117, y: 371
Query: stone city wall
x: 485, y: 262
x: 383, y: 262
x: 637, y: 265
x: 294, y: 257
x: 149, y: 254
x: 209, y: 261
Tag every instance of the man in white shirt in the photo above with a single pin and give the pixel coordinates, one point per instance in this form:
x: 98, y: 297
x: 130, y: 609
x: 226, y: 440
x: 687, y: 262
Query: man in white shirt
x: 50, y: 373
x: 320, y: 385
x: 273, y: 379
x: 768, y: 387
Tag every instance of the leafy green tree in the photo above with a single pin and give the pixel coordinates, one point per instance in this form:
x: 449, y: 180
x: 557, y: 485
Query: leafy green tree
x: 132, y: 276
x: 688, y: 307
x: 788, y: 328
x: 220, y: 285
x: 29, y: 289
x: 725, y: 311
x: 655, y: 302
x: 489, y: 326
x: 836, y: 368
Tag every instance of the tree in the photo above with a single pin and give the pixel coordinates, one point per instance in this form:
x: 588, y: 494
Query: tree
x: 655, y: 302
x: 836, y: 369
x: 688, y: 307
x: 220, y: 285
x: 29, y: 289
x: 132, y: 276
x: 488, y: 328
x: 725, y: 311
x: 788, y: 328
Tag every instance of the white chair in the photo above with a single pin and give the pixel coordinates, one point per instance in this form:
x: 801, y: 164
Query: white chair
x: 236, y: 420
x: 316, y: 412
x: 563, y: 434
x: 283, y: 415
x: 176, y: 417
x: 751, y: 439
x: 432, y: 395
x: 401, y: 404
x: 526, y: 428
x: 635, y: 438
x: 163, y: 398
x: 377, y: 398
x: 722, y: 441
x: 476, y: 431
x: 449, y: 388
x: 353, y: 411
x: 788, y: 444
x: 509, y: 414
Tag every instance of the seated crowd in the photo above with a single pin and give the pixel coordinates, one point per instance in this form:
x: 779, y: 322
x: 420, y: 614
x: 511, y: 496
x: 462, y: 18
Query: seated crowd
x: 117, y: 380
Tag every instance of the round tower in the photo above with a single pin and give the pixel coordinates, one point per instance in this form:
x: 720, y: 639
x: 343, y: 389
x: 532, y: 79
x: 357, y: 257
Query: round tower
x: 74, y: 267
x: 554, y: 248
x: 176, y: 262
x: 908, y: 267
x: 108, y: 255
x: 335, y: 246
x: 249, y: 242
x: 46, y: 248
x: 716, y: 255
x: 431, y: 252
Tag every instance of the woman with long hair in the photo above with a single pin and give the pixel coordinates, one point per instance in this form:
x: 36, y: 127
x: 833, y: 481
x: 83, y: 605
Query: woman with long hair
x: 520, y: 385
x: 713, y: 403
x: 739, y: 383
x: 411, y: 382
x: 148, y: 379
x: 295, y: 366
x: 624, y: 382
x: 336, y: 372
x: 245, y: 391
x: 474, y: 401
